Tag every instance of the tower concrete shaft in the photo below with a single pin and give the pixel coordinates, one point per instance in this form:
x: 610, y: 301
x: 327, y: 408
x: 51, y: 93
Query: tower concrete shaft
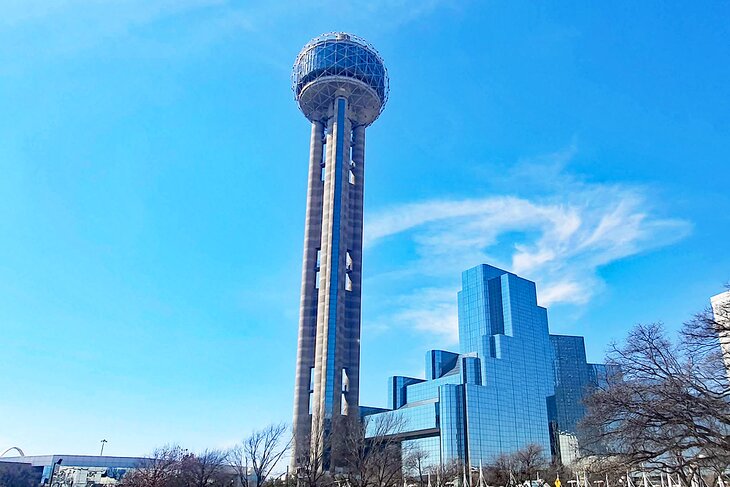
x: 328, y: 359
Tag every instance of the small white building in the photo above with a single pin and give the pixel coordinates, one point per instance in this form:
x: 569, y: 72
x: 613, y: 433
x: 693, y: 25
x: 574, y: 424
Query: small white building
x: 721, y: 310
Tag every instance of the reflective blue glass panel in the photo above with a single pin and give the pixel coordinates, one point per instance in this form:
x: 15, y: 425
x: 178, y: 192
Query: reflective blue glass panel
x: 340, y: 58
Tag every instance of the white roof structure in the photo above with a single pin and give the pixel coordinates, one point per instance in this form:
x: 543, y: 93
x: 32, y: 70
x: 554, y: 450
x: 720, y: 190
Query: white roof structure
x: 721, y: 310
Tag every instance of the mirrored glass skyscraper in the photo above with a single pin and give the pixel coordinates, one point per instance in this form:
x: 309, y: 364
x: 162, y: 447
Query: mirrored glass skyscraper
x: 574, y: 378
x: 500, y: 392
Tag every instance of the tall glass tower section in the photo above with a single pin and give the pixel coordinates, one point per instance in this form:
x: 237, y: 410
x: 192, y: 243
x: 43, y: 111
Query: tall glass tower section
x: 341, y: 85
x: 500, y: 321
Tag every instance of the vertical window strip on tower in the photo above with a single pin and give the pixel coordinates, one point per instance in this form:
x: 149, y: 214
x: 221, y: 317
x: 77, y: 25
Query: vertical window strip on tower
x: 335, y: 258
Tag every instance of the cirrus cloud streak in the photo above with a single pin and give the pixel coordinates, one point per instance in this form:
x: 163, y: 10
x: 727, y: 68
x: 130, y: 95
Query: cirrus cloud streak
x: 559, y: 239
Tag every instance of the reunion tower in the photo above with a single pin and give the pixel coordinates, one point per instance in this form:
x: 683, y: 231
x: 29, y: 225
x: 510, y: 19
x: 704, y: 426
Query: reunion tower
x: 341, y: 86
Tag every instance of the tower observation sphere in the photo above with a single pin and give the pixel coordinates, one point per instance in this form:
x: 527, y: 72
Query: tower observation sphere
x: 341, y: 85
x: 340, y: 64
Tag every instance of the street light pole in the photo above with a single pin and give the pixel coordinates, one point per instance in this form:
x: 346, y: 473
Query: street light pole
x: 103, y: 442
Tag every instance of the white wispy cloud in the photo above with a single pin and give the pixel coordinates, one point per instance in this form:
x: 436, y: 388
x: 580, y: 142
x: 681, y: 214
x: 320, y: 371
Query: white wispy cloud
x: 120, y: 12
x: 559, y: 239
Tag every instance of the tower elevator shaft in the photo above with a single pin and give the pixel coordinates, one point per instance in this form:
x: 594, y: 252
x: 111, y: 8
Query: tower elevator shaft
x: 328, y: 359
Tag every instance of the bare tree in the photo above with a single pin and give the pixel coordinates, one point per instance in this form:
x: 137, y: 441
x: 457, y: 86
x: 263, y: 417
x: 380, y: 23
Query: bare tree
x: 669, y: 406
x: 369, y: 451
x: 171, y: 466
x: 524, y: 464
x: 416, y: 463
x: 610, y: 469
x: 206, y: 469
x: 259, y: 454
x: 238, y: 460
x: 161, y: 469
x: 701, y: 335
x: 448, y: 473
x: 350, y: 451
x: 700, y: 339
x: 501, y: 471
x: 309, y: 466
x: 529, y: 460
x: 17, y: 475
x: 387, y: 453
x: 555, y: 469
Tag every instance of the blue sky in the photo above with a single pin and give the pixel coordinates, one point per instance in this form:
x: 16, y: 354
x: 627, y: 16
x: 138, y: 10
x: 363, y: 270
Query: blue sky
x: 153, y: 185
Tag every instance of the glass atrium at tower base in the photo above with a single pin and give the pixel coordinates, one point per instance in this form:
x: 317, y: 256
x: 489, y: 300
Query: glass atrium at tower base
x: 511, y: 384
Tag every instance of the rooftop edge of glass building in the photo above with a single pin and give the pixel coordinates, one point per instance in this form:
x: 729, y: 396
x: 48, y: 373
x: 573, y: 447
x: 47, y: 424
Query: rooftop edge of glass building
x: 341, y: 86
x: 511, y: 383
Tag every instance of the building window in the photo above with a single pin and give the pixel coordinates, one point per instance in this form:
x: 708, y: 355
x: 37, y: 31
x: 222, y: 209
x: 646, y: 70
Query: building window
x: 317, y: 275
x: 345, y: 381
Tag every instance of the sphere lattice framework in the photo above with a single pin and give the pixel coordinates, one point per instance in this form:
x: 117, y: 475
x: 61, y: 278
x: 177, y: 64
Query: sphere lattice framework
x: 340, y: 64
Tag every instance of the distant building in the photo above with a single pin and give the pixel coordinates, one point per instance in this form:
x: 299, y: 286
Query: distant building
x: 574, y: 376
x: 511, y: 384
x: 19, y: 472
x: 78, y: 469
x: 721, y: 310
x: 86, y: 470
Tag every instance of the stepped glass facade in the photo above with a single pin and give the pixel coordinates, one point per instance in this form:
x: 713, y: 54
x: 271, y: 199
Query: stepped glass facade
x: 511, y: 383
x: 341, y: 86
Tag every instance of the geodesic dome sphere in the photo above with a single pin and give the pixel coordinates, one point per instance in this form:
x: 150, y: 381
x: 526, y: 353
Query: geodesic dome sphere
x: 340, y: 64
